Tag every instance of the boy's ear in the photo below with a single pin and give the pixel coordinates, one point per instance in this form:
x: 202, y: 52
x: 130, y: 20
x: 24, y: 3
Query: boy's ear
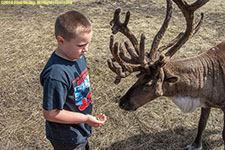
x: 60, y: 39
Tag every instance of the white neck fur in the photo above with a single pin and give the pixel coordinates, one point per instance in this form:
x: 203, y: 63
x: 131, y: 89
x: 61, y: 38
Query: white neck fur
x: 187, y: 104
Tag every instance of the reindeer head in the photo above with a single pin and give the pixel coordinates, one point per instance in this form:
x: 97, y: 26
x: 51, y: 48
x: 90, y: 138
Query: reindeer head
x: 150, y: 65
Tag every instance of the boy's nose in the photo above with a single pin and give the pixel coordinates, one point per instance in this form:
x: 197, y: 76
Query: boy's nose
x: 85, y: 49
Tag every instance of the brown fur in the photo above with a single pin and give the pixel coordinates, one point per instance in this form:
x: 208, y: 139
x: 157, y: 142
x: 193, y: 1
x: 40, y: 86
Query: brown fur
x: 201, y: 76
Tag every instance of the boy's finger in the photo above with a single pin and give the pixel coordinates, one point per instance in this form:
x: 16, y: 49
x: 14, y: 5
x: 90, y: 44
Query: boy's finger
x: 99, y: 115
x: 103, y: 117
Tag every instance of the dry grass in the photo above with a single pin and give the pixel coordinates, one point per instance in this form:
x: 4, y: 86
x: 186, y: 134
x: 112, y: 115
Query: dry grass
x: 26, y: 42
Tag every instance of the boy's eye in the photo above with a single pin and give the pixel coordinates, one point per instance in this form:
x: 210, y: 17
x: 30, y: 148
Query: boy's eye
x: 80, y: 45
x: 83, y: 45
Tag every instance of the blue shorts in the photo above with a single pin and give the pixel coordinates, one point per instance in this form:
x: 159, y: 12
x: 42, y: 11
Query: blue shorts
x: 82, y: 146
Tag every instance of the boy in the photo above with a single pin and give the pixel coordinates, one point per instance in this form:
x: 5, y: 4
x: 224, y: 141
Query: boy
x: 67, y: 101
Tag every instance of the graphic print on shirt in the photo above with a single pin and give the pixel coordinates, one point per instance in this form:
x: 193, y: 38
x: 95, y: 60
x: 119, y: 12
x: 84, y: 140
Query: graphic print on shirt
x: 82, y: 90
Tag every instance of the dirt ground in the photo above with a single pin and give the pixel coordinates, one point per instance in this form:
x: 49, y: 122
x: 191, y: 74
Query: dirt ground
x: 27, y: 40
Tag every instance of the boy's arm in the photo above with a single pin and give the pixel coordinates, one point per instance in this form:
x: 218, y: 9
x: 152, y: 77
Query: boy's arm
x: 69, y: 117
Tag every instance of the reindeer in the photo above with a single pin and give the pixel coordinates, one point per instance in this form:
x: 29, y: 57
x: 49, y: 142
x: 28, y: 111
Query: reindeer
x: 190, y: 83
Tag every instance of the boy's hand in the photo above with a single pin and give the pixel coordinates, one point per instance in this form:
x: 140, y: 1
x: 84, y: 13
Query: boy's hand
x: 97, y: 121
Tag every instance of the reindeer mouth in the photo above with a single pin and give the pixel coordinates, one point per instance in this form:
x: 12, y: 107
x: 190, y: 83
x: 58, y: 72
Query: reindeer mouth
x: 127, y: 106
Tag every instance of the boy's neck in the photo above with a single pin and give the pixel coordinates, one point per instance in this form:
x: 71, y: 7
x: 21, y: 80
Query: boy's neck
x: 60, y: 53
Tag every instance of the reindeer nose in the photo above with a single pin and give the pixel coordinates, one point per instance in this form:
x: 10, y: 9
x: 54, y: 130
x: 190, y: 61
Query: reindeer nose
x: 122, y: 105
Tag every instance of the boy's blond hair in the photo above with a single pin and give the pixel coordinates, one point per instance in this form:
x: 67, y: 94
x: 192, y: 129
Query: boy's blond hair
x: 69, y: 24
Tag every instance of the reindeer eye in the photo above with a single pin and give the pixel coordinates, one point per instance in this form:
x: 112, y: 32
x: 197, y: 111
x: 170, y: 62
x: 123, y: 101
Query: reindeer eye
x: 149, y: 83
x: 148, y: 86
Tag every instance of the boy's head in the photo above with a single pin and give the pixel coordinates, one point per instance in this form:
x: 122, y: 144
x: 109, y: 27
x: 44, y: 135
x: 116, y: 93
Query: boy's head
x: 71, y: 23
x: 73, y: 32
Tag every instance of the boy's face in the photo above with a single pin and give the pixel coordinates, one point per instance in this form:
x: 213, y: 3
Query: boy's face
x: 75, y: 48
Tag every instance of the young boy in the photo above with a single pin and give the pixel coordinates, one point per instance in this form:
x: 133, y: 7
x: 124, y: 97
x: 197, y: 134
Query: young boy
x: 67, y: 100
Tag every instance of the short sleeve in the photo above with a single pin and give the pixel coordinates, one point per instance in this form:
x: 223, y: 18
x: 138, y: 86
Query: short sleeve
x: 54, y: 96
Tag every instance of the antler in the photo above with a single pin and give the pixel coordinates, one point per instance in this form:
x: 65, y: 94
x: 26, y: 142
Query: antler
x: 127, y: 65
x: 188, y: 12
x: 161, y: 32
x: 154, y: 60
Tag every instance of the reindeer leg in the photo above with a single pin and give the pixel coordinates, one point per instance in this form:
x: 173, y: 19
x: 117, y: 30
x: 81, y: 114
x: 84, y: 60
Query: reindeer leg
x: 197, y: 144
x: 223, y: 133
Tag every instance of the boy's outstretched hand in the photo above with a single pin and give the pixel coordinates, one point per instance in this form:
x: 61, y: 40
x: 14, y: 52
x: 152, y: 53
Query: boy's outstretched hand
x: 97, y: 121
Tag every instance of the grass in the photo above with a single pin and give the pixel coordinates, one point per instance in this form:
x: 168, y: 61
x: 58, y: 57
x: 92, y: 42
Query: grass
x: 27, y: 40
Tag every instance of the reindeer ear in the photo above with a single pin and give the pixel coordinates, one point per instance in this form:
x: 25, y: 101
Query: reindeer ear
x: 171, y: 79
